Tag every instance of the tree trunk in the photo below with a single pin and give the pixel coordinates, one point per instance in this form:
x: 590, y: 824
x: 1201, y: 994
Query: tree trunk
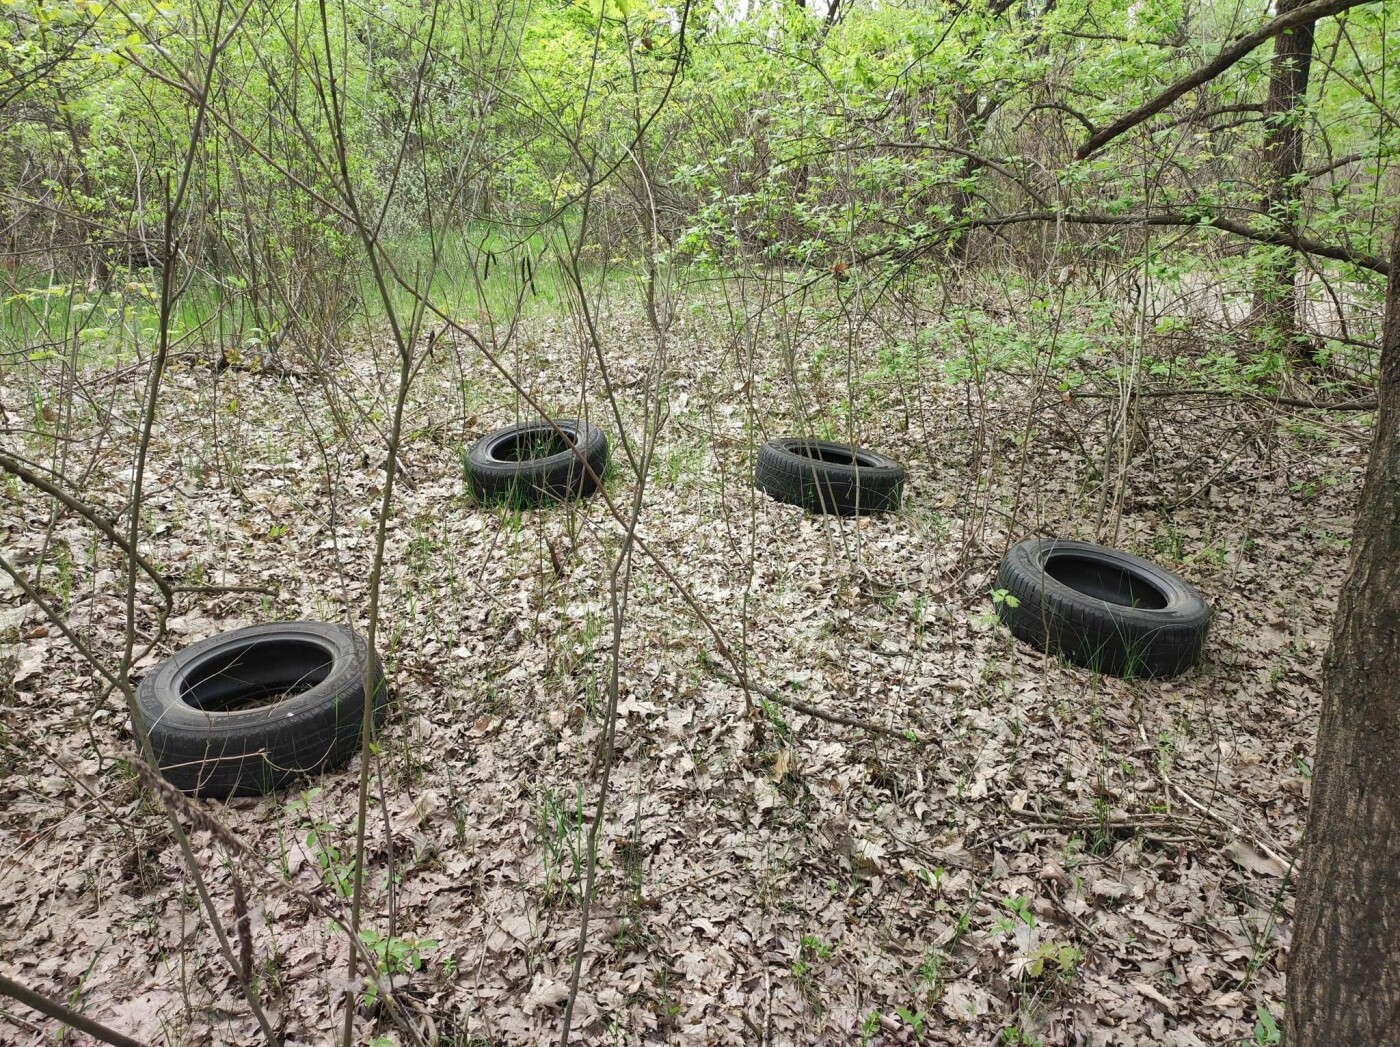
x: 962, y: 199
x: 1276, y: 300
x: 1344, y: 965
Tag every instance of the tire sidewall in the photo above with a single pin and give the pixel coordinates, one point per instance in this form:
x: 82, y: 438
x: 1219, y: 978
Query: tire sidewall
x: 875, y: 467
x: 560, y: 475
x: 1100, y: 634
x: 255, y: 751
x: 1184, y: 603
x: 158, y: 696
x: 874, y: 484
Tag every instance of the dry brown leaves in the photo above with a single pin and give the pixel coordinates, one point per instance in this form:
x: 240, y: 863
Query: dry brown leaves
x: 1062, y: 857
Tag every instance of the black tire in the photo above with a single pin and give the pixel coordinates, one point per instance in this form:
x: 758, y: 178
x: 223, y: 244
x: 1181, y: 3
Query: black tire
x: 530, y: 463
x: 214, y: 732
x: 826, y: 477
x: 1102, y: 608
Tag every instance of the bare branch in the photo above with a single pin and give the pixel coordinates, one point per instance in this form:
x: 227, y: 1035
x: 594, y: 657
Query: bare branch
x: 68, y: 1016
x: 1204, y: 74
x: 17, y: 469
x: 808, y: 709
x: 1183, y: 219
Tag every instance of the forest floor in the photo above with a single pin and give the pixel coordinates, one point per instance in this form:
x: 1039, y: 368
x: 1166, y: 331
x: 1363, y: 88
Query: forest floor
x: 1061, y: 857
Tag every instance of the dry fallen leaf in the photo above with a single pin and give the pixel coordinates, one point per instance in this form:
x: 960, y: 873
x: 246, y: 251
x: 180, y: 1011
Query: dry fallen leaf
x: 1155, y: 996
x: 781, y: 763
x: 718, y: 874
x: 1242, y: 854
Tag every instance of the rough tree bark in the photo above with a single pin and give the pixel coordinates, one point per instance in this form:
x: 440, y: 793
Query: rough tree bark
x: 1344, y: 964
x: 1276, y: 299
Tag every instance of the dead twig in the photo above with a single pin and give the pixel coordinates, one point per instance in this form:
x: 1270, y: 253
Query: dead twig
x: 1283, y: 859
x: 217, y: 590
x: 17, y: 469
x: 1149, y: 826
x: 807, y: 708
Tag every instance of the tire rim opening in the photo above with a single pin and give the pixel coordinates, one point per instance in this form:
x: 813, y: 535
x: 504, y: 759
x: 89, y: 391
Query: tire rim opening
x: 525, y: 447
x: 254, y: 677
x: 830, y: 455
x: 1105, y: 582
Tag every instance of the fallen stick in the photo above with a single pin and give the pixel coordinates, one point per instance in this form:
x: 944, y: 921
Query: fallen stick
x: 808, y: 709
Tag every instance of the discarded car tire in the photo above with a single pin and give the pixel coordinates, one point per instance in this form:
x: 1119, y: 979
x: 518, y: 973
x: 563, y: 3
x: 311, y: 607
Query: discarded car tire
x: 248, y: 711
x: 826, y: 477
x: 531, y: 463
x: 1101, y: 608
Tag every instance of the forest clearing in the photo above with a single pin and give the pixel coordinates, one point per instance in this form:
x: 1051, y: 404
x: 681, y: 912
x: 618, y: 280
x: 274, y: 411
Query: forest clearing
x: 822, y: 316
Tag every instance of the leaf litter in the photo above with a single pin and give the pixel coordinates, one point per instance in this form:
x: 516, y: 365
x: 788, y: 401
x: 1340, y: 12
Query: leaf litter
x: 1058, y: 856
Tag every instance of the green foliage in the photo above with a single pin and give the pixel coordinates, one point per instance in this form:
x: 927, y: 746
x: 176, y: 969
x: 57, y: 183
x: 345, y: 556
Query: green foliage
x: 337, y: 869
x: 561, y: 831
x: 1005, y: 596
x: 772, y: 135
x: 914, y: 1019
x: 1053, y: 960
x: 392, y: 956
x: 1266, y: 1030
x: 1020, y: 913
x: 465, y: 138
